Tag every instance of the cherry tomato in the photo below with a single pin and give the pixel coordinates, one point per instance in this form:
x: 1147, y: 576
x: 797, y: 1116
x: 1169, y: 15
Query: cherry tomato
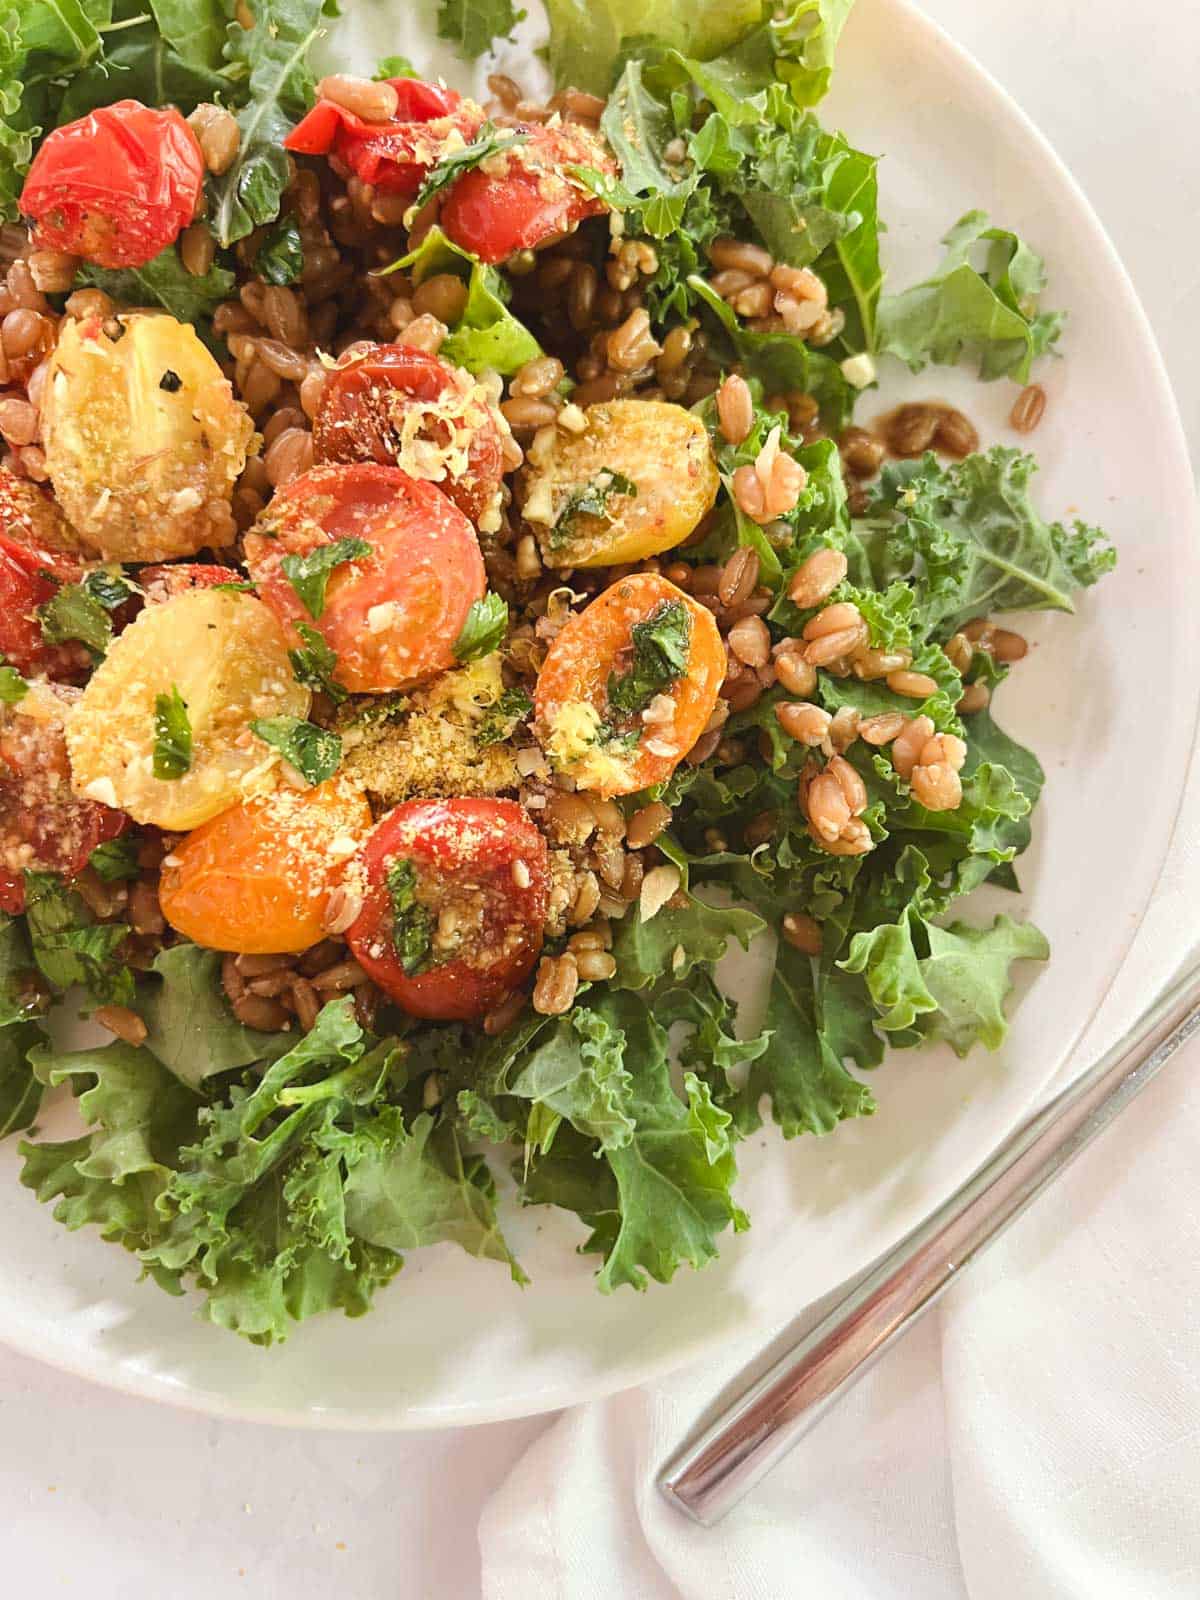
x: 495, y: 213
x: 572, y: 698
x: 165, y: 582
x: 393, y: 156
x: 43, y: 826
x: 117, y: 186
x: 391, y: 617
x: 35, y: 557
x: 402, y: 407
x: 256, y: 879
x: 476, y: 878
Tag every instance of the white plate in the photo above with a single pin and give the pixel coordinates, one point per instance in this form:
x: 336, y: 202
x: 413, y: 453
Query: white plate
x: 452, y: 1340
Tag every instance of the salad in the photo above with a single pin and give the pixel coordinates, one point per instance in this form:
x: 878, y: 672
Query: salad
x: 446, y: 601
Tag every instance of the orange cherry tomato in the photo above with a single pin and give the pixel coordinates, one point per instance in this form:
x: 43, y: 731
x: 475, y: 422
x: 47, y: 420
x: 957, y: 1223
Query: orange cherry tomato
x: 525, y: 195
x: 391, y: 156
x: 606, y: 749
x: 36, y: 556
x: 401, y: 407
x: 256, y: 879
x: 43, y: 826
x: 117, y: 186
x: 471, y: 879
x: 391, y: 617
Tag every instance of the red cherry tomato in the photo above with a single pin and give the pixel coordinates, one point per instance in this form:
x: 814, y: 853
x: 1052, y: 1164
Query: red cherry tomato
x: 498, y: 212
x: 367, y: 401
x: 117, y: 186
x: 393, y: 156
x: 480, y: 887
x: 34, y: 560
x: 165, y: 582
x: 391, y: 617
x: 43, y: 826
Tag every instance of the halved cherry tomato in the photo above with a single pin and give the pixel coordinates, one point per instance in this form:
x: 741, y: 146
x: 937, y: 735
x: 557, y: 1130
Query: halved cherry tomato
x: 476, y: 876
x: 391, y: 617
x: 402, y: 407
x: 165, y: 582
x: 43, y: 826
x: 117, y: 186
x: 256, y: 879
x: 393, y: 156
x: 526, y: 195
x: 36, y: 556
x: 582, y: 731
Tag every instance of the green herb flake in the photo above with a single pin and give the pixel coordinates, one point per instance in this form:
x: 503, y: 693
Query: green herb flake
x: 316, y: 663
x: 309, y: 574
x: 484, y: 629
x: 660, y: 658
x: 412, y: 923
x: 489, y: 141
x: 280, y: 259
x: 74, y: 612
x: 314, y: 752
x: 502, y: 719
x: 12, y: 685
x: 116, y: 860
x: 592, y: 500
x: 172, y: 735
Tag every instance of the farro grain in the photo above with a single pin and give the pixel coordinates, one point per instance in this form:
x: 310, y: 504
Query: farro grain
x: 937, y: 787
x: 250, y: 966
x: 793, y: 672
x: 909, y: 743
x: 289, y: 455
x: 504, y: 1014
x: 802, y: 931
x: 218, y: 136
x: 828, y: 811
x: 854, y: 790
x: 956, y: 434
x: 1028, y: 408
x: 914, y: 685
x: 881, y: 729
x: 259, y: 1012
x: 555, y: 986
x: 373, y: 101
x: 18, y: 422
x: 959, y: 651
x: 126, y: 1024
x: 816, y: 578
x: 1008, y: 646
x: 975, y: 697
x: 943, y: 749
x: 870, y: 665
x: 89, y: 303
x: 197, y: 249
x: 807, y: 724
x: 645, y: 825
x: 442, y: 296
x: 843, y: 730
x: 341, y: 976
x: 306, y: 1001
x: 735, y: 409
x: 728, y: 252
x: 750, y: 641
x: 424, y: 333
x: 595, y: 966
x: 861, y: 452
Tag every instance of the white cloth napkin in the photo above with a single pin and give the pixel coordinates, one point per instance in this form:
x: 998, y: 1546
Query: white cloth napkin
x: 1037, y: 1437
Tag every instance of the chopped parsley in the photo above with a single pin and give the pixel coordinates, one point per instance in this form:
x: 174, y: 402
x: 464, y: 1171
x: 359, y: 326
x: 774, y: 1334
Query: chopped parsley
x: 660, y: 657
x: 484, y: 629
x: 591, y: 501
x: 315, y: 665
x: 172, y: 735
x: 12, y: 685
x: 501, y: 720
x: 80, y: 610
x: 489, y: 141
x: 309, y: 574
x: 412, y: 923
x: 314, y: 752
x: 116, y: 859
x: 241, y: 586
x: 281, y: 256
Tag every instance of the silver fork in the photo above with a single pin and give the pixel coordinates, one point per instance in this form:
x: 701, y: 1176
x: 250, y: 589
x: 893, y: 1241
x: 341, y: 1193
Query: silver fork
x: 712, y: 1472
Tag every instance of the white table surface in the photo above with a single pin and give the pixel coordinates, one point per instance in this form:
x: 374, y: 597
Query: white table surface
x: 108, y: 1496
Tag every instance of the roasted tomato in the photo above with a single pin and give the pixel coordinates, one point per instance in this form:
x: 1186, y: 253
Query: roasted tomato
x: 256, y: 879
x: 403, y: 408
x: 391, y: 617
x: 117, y: 186
x: 456, y: 893
x: 392, y: 156
x: 164, y: 583
x: 36, y: 556
x: 646, y: 468
x: 628, y: 685
x: 43, y: 826
x: 525, y: 195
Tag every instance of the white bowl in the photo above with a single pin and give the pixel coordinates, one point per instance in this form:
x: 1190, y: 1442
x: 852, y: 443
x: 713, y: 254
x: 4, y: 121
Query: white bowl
x: 452, y: 1340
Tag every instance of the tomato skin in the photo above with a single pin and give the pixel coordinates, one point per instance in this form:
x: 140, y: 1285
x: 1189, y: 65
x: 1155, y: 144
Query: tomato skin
x: 457, y: 846
x: 43, y: 826
x: 35, y: 557
x: 255, y: 879
x: 366, y: 401
x: 426, y: 567
x: 496, y: 214
x: 593, y: 645
x: 165, y: 582
x: 393, y: 156
x: 116, y: 186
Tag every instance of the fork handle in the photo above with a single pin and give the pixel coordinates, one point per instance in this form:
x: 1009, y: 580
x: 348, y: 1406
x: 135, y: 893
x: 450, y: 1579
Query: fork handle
x: 711, y: 1474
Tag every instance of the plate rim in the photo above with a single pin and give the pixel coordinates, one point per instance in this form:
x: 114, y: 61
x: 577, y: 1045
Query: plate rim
x: 160, y: 1388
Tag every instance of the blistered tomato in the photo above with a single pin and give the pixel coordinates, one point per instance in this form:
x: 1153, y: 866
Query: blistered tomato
x: 527, y: 194
x: 391, y: 156
x: 37, y: 554
x: 401, y: 407
x: 617, y: 746
x: 456, y: 893
x: 117, y: 186
x: 390, y: 616
x: 43, y: 826
x: 257, y: 878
